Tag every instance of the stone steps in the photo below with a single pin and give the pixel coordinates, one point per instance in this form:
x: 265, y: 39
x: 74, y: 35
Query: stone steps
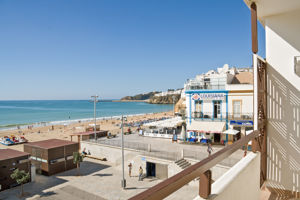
x: 182, y: 163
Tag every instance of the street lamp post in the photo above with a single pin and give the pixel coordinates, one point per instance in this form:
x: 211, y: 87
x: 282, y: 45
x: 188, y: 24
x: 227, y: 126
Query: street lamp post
x: 95, y: 100
x: 123, y: 181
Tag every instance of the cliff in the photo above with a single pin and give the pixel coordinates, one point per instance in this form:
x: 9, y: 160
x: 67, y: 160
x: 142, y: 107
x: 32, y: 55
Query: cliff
x: 139, y: 97
x: 164, y: 99
x: 151, y: 98
x: 180, y: 106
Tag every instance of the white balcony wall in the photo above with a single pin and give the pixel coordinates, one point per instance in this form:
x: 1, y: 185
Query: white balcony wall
x: 282, y: 44
x: 242, y: 181
x: 283, y: 100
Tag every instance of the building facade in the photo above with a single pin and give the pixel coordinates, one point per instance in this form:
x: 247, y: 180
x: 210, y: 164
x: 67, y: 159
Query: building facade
x: 52, y: 156
x: 9, y: 161
x: 218, y: 101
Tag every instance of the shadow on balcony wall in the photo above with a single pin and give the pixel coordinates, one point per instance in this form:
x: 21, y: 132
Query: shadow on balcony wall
x: 283, y: 129
x: 278, y: 24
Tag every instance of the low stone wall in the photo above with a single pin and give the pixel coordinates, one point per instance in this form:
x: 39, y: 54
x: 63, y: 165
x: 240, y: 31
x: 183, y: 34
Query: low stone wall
x: 166, y: 168
x: 111, y: 153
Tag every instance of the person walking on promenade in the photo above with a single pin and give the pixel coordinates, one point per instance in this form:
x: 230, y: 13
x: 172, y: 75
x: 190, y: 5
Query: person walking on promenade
x: 209, y: 149
x: 140, y: 173
x: 130, y: 168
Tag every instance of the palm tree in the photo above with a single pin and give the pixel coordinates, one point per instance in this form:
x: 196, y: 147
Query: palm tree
x: 21, y: 177
x: 77, y: 159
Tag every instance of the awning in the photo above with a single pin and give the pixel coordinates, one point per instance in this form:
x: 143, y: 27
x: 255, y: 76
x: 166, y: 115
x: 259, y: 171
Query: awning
x: 231, y: 132
x: 167, y: 123
x: 204, y: 126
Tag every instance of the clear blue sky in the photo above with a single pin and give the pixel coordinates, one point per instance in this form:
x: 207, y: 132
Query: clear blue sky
x: 57, y: 49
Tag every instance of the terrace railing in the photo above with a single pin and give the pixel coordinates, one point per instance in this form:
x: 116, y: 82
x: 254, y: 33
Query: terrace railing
x: 199, y: 170
x: 240, y: 116
x: 260, y: 111
x: 207, y: 116
x: 202, y: 169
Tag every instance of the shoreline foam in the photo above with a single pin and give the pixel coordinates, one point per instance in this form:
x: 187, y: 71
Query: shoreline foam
x: 11, y: 127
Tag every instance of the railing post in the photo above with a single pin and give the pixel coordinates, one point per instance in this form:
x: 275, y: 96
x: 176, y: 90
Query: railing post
x: 182, y: 153
x: 254, y: 28
x: 260, y: 113
x: 205, y: 184
x: 149, y: 147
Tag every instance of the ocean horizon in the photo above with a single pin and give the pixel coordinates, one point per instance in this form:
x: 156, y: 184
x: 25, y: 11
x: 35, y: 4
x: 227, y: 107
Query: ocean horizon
x: 14, y: 113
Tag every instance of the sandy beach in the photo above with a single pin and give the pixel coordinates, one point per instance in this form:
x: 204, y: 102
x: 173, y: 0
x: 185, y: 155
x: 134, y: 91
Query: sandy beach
x: 63, y: 132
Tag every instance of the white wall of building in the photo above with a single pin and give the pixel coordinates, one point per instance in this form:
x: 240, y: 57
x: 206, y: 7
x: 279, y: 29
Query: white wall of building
x: 246, y: 102
x: 283, y: 43
x: 231, y: 87
x: 283, y: 127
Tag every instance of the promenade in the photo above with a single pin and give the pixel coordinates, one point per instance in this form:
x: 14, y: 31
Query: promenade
x: 102, y: 179
x: 99, y: 180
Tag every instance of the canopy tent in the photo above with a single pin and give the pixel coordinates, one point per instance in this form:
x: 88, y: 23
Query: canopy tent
x: 167, y: 123
x: 202, y: 126
x: 231, y: 132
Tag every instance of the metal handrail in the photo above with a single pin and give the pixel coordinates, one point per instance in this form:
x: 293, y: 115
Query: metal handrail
x: 172, y: 184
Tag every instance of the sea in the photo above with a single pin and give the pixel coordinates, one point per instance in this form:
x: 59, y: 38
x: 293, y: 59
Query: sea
x: 20, y: 114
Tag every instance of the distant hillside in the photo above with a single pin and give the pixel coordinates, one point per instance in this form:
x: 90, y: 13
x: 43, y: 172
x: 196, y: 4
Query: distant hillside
x: 151, y: 98
x: 139, y: 97
x: 164, y: 99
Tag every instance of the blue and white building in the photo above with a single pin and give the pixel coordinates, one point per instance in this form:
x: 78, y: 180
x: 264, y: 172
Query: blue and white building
x: 217, y: 102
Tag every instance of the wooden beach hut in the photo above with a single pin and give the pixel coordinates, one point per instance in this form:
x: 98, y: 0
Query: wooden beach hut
x: 9, y: 161
x: 52, y: 156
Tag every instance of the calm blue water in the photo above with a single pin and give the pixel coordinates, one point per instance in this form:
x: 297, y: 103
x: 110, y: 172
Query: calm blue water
x: 14, y: 113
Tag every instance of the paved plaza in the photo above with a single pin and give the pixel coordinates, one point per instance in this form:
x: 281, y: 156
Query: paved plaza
x: 102, y: 179
x: 99, y: 180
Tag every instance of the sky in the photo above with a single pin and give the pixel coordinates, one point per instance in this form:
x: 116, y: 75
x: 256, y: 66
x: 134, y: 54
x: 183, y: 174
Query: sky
x: 59, y: 49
